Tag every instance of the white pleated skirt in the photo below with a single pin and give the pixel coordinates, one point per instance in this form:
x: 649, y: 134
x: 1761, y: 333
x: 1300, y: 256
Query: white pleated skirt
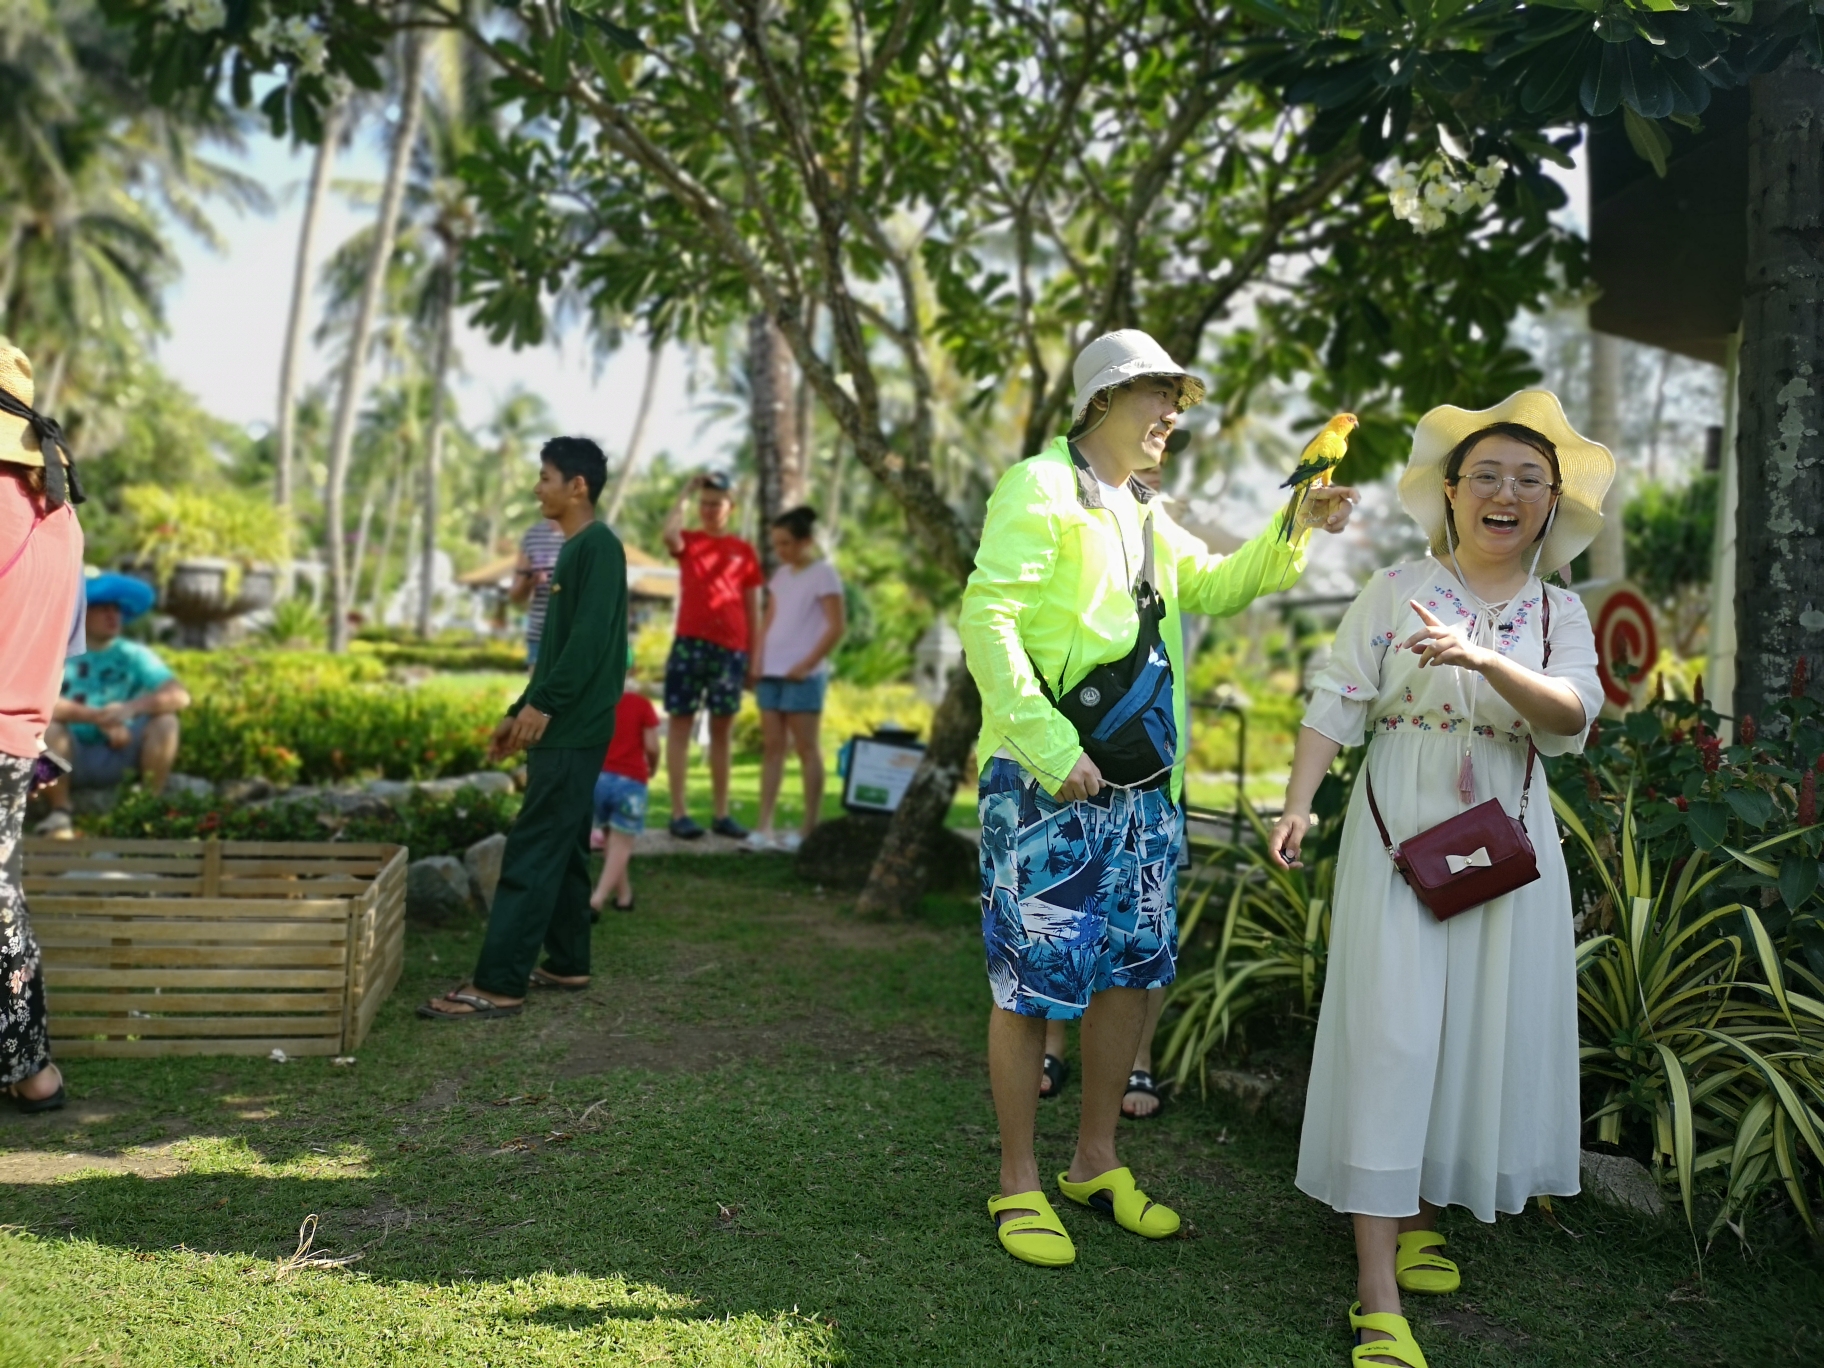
x: 1446, y: 1057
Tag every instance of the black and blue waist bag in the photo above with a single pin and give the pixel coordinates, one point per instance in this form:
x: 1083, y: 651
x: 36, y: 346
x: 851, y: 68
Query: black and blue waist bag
x: 1123, y: 710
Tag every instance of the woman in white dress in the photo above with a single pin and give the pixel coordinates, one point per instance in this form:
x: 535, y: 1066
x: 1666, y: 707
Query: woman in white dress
x: 1445, y: 1070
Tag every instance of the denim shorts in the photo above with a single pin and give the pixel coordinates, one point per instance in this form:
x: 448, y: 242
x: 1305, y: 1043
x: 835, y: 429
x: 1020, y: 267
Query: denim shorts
x: 620, y: 803
x: 776, y: 693
x: 97, y: 765
x: 1076, y: 897
x: 700, y: 673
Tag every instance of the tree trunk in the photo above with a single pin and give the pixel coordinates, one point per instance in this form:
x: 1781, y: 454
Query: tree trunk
x: 300, y: 299
x: 775, y: 425
x: 433, y: 439
x: 624, y: 479
x: 898, y: 878
x: 1780, y: 521
x: 348, y: 402
x: 377, y: 590
x: 1608, y: 553
x: 362, y: 527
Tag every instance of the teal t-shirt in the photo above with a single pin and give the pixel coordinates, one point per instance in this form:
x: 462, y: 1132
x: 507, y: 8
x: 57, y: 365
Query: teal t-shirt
x: 121, y: 670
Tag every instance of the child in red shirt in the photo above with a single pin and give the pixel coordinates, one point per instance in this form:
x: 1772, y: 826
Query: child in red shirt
x: 620, y: 794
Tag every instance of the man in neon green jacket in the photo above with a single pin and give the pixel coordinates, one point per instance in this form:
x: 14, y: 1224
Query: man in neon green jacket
x: 1079, y: 878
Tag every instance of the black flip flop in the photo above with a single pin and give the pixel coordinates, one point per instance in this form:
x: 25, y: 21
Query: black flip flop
x: 542, y: 978
x: 31, y: 1106
x: 622, y: 907
x: 481, y: 1008
x: 1057, y: 1073
x: 1140, y: 1081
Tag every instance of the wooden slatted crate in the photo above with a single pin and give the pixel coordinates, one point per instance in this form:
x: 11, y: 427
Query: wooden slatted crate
x: 215, y: 947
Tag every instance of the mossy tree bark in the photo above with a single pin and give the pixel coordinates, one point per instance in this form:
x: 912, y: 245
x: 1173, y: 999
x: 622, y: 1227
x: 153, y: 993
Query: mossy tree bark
x: 1780, y: 522
x: 900, y: 871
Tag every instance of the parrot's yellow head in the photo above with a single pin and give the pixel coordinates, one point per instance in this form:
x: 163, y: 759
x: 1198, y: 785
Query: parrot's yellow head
x: 1343, y: 423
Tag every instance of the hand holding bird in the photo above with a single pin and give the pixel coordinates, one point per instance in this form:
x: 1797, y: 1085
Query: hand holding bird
x: 1313, y: 501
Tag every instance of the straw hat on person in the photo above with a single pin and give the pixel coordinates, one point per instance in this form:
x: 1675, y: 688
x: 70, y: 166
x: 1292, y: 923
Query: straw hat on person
x: 1585, y: 470
x: 18, y: 440
x: 1118, y: 357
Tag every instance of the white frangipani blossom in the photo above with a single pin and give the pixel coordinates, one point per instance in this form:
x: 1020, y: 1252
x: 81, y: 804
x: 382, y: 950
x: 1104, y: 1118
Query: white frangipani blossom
x: 1426, y: 194
x: 199, y: 16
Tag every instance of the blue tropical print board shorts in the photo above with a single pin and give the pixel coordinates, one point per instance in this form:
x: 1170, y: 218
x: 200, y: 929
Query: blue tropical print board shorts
x: 1076, y: 897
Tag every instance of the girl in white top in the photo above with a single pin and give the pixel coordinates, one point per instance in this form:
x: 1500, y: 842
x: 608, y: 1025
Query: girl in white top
x: 804, y: 622
x: 1445, y: 1069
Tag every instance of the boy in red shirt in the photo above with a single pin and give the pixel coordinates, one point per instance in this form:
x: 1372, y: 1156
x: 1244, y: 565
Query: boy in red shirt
x: 719, y: 583
x: 620, y: 795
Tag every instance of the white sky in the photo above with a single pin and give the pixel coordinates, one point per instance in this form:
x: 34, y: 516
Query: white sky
x: 227, y: 317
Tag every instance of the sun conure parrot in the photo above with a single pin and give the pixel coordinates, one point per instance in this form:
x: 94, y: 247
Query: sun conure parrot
x: 1315, y: 465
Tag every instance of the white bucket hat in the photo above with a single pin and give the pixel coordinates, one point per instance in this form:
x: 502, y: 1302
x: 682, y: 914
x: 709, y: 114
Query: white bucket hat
x: 1585, y: 470
x: 1127, y: 354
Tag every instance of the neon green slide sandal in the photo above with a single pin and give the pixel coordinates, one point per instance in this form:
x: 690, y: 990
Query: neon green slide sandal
x: 1402, y: 1348
x: 1036, y: 1238
x: 1114, y: 1193
x: 1416, y: 1268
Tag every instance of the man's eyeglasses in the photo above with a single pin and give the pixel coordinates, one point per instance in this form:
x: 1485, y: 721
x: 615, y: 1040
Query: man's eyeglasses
x: 1527, y: 488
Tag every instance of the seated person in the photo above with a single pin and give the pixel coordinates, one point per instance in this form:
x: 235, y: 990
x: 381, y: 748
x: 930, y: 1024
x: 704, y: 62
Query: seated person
x: 118, y: 713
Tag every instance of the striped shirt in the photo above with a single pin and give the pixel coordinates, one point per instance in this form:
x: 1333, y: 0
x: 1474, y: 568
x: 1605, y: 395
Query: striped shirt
x: 543, y: 540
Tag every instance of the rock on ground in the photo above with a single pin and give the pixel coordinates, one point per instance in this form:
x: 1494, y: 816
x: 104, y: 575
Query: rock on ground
x: 438, y: 891
x: 482, y: 861
x: 190, y: 785
x: 1620, y: 1181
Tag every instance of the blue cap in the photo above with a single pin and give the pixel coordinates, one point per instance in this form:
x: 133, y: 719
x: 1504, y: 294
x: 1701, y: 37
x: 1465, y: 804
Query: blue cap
x: 133, y: 597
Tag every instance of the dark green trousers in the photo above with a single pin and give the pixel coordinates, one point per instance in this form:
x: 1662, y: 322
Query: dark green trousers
x: 543, y: 896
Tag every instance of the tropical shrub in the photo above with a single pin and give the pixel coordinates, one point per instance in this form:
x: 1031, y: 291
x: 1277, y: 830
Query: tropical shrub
x: 309, y: 717
x: 1269, y: 953
x: 1698, y: 1031
x: 427, y: 824
x: 172, y: 523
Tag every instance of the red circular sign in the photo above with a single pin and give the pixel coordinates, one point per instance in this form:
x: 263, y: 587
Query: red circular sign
x: 1625, y: 635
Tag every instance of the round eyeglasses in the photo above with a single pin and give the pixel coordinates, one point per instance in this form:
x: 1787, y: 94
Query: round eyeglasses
x: 1527, y: 488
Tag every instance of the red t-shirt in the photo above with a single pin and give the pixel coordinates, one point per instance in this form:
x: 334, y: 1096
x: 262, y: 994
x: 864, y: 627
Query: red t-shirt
x: 627, y: 752
x: 714, y: 575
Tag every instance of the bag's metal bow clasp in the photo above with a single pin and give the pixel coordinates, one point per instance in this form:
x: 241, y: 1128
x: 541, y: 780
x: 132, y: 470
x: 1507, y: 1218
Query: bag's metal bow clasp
x: 1476, y: 860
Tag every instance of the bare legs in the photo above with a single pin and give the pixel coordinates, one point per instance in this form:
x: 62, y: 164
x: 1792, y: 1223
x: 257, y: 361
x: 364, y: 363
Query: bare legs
x: 772, y: 766
x: 1376, y: 1242
x: 801, y: 732
x: 1016, y: 1046
x: 719, y: 751
x: 158, y: 751
x: 806, y: 729
x: 677, y: 760
x: 614, y: 881
x: 1135, y: 1105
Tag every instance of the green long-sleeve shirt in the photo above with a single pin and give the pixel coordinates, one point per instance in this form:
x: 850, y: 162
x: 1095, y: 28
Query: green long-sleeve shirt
x: 582, y: 658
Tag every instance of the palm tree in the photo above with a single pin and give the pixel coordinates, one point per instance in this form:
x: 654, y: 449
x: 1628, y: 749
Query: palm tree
x: 411, y: 72
x: 300, y: 291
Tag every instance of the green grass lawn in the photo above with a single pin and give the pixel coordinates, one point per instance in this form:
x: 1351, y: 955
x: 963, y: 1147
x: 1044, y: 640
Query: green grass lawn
x: 763, y: 1136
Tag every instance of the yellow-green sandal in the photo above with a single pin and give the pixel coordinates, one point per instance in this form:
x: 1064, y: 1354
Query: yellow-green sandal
x: 1417, y: 1269
x: 1402, y: 1348
x: 1038, y: 1238
x: 1114, y: 1193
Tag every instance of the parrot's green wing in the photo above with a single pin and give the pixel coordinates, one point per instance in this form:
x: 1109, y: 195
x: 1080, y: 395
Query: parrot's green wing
x: 1310, y: 470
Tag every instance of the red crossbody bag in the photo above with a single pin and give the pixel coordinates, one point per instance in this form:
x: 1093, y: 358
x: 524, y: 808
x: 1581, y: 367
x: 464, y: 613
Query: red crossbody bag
x: 1477, y: 856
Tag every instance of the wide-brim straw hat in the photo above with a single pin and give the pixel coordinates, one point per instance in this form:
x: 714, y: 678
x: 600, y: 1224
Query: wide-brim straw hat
x: 1118, y: 357
x: 18, y: 443
x: 1586, y: 469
